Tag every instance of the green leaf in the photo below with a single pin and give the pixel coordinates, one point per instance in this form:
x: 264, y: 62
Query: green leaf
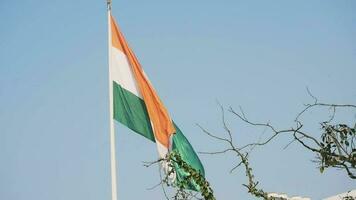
x: 321, y: 169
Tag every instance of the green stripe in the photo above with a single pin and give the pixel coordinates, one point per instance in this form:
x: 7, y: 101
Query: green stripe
x: 131, y: 111
x: 187, y: 153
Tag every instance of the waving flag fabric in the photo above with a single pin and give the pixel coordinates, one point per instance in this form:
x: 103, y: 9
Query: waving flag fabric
x: 137, y: 105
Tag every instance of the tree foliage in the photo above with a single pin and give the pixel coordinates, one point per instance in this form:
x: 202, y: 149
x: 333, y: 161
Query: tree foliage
x: 173, y: 160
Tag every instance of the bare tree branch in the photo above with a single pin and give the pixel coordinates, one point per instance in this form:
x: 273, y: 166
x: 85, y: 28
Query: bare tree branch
x: 334, y: 149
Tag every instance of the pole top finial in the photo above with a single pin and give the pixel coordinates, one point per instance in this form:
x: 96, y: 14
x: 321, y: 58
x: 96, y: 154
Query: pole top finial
x: 108, y: 3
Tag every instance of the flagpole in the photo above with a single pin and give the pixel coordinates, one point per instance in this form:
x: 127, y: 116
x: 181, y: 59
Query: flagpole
x: 111, y: 117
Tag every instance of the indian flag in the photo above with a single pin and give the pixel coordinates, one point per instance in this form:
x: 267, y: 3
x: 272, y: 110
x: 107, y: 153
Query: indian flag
x: 137, y: 105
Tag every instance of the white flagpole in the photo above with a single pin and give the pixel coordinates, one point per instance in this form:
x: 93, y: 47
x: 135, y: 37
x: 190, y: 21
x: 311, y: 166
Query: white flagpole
x: 111, y: 117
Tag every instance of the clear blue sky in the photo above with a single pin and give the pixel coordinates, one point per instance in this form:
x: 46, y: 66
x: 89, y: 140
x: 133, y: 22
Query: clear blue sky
x: 54, y: 140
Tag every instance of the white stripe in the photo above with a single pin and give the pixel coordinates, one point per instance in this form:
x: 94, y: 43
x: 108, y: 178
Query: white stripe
x: 121, y: 72
x: 163, y: 151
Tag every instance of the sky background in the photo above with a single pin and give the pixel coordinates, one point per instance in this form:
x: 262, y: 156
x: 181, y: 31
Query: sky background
x: 261, y: 55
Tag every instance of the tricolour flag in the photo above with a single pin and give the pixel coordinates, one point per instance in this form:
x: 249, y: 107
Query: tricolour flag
x: 137, y: 105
